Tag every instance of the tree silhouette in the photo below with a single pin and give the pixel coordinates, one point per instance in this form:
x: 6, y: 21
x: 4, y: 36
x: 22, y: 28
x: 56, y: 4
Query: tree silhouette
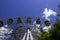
x: 59, y: 6
x: 53, y: 34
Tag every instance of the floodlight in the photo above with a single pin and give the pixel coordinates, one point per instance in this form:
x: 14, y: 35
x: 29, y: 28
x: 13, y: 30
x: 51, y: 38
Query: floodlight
x: 38, y: 21
x: 1, y: 23
x: 28, y: 19
x: 19, y: 20
x: 47, y: 23
x: 10, y: 21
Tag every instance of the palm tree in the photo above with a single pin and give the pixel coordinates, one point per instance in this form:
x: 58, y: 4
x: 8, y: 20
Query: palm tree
x: 54, y: 33
x: 59, y: 6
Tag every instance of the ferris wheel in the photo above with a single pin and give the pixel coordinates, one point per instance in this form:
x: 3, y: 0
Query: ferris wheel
x: 24, y: 23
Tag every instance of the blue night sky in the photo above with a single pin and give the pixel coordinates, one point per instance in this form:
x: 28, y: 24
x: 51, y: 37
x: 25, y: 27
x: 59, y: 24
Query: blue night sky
x: 12, y: 8
x: 16, y: 8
